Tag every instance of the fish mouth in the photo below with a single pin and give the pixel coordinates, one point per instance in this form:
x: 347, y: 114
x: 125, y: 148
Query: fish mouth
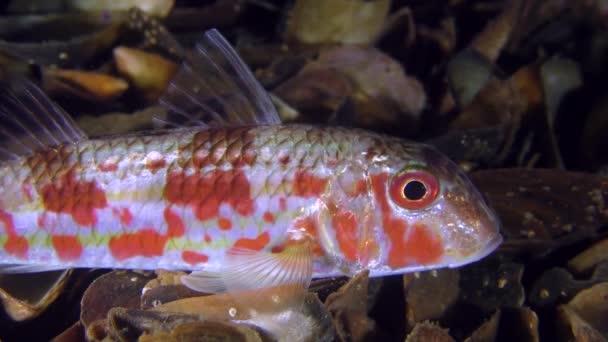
x: 486, y: 250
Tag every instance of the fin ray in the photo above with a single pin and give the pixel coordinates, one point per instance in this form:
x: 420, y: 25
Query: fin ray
x: 58, y: 118
x: 205, y: 282
x: 30, y: 121
x: 222, y: 78
x: 215, y: 87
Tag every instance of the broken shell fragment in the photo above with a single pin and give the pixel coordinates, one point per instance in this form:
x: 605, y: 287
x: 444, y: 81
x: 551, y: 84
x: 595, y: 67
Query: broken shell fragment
x: 548, y: 205
x: 493, y: 38
x: 315, y: 91
x: 66, y: 41
x: 129, y: 324
x: 166, y: 287
x: 97, y: 330
x: 142, y: 325
x: 589, y: 258
x: 148, y: 72
x: 337, y: 21
x: 120, y: 123
x: 467, y: 74
x: 26, y: 296
x: 382, y: 94
x: 162, y: 294
x: 592, y: 305
x: 86, y: 85
x: 487, y: 331
x: 430, y: 294
x: 72, y: 334
x: 496, y: 103
x: 117, y: 288
x: 284, y: 318
x: 518, y: 324
x: 377, y: 75
x: 159, y: 8
x: 559, y: 77
x: 426, y: 331
x: 348, y: 307
x: 573, y: 328
x: 203, y: 331
x: 154, y: 33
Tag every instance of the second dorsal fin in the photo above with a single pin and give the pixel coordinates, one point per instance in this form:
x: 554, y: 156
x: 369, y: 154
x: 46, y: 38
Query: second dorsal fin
x: 215, y: 87
x: 30, y: 121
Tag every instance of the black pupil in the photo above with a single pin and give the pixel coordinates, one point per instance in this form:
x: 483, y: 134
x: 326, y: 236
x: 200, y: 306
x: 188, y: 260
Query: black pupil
x: 414, y: 190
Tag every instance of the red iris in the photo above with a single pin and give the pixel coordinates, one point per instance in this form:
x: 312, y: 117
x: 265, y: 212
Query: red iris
x: 414, y: 189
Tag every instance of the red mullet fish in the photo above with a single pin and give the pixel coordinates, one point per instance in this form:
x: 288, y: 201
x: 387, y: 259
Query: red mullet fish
x: 244, y: 201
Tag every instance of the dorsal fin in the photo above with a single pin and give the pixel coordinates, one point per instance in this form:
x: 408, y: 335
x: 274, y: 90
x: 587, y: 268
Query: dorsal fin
x: 215, y: 87
x: 30, y: 121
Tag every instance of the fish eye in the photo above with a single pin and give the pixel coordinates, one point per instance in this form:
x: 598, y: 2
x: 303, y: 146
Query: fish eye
x: 414, y: 189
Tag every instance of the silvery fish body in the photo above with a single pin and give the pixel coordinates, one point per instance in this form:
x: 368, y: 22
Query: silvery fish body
x: 211, y: 197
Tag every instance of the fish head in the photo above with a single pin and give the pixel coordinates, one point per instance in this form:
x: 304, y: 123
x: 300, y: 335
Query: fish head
x: 418, y: 211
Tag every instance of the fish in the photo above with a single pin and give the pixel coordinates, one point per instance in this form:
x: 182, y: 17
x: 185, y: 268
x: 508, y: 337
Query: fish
x: 227, y: 191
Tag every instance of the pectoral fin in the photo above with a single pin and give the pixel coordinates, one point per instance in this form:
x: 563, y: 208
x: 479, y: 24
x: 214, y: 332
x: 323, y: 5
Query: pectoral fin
x: 248, y: 270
